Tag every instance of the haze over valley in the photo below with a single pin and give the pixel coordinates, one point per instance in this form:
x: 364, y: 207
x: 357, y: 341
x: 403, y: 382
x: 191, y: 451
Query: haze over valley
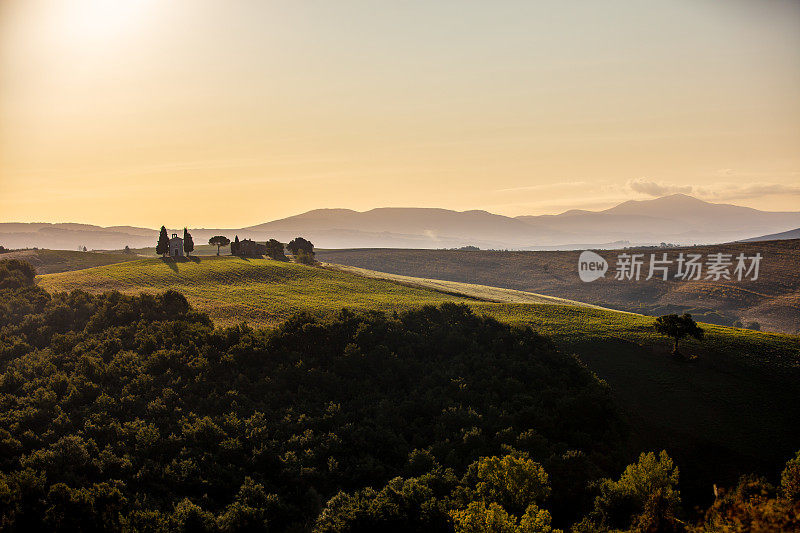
x: 678, y: 219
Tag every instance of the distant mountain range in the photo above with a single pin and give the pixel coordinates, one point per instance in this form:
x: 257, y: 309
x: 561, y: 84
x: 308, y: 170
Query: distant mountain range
x: 677, y: 218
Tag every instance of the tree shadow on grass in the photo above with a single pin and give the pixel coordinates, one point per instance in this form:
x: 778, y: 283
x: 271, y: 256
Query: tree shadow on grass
x: 170, y: 262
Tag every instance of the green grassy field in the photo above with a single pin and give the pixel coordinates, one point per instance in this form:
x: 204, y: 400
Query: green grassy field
x: 478, y: 292
x: 735, y: 405
x: 52, y: 261
x: 259, y: 291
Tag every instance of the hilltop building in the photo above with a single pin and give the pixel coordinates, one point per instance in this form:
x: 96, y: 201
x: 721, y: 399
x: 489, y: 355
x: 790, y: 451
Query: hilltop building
x: 175, y: 246
x: 251, y: 248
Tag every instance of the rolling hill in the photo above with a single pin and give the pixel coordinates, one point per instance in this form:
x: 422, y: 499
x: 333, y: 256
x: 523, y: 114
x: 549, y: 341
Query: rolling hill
x: 264, y: 292
x: 259, y: 291
x: 773, y: 299
x: 742, y: 379
x: 69, y: 236
x: 677, y: 218
x: 53, y: 261
x: 784, y: 235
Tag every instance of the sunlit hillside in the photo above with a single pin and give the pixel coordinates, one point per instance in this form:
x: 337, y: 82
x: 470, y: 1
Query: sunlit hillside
x: 741, y: 379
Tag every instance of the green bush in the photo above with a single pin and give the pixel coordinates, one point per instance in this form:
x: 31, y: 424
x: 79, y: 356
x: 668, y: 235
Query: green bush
x: 304, y: 257
x: 15, y: 273
x: 644, y: 498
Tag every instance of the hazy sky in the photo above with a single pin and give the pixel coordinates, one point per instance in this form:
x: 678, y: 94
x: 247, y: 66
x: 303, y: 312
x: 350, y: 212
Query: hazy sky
x: 227, y: 113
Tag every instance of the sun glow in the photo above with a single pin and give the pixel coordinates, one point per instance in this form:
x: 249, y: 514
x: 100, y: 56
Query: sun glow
x: 88, y: 26
x: 101, y: 19
x: 514, y: 107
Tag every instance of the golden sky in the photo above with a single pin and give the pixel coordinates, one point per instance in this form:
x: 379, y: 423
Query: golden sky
x: 222, y: 113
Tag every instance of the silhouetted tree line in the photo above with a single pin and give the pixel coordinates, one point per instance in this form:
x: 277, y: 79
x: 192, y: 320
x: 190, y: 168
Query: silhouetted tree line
x: 302, y: 249
x: 135, y: 413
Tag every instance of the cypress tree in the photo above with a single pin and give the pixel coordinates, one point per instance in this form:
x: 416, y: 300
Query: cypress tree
x: 235, y: 246
x: 188, y: 243
x: 163, y: 242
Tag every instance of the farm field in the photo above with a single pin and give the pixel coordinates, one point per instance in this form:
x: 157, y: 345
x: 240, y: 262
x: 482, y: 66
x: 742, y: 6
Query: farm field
x: 471, y: 290
x: 742, y: 379
x: 54, y: 261
x: 773, y: 300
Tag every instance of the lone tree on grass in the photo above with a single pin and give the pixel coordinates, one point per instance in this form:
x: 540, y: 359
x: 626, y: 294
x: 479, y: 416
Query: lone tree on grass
x: 275, y: 250
x: 163, y: 242
x: 302, y: 250
x: 678, y: 327
x: 218, y: 241
x: 188, y: 243
x: 299, y: 243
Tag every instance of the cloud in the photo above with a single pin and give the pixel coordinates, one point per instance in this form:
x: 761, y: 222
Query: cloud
x: 657, y: 189
x: 714, y: 191
x: 727, y: 191
x: 546, y: 186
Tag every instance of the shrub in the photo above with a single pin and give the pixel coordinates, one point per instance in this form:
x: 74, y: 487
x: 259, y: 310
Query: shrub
x: 299, y: 243
x: 304, y: 257
x: 790, y: 480
x: 645, y: 498
x: 275, y: 250
x: 15, y: 273
x: 752, y: 505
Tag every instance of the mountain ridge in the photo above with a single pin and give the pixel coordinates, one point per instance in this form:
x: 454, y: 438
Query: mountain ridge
x: 677, y: 218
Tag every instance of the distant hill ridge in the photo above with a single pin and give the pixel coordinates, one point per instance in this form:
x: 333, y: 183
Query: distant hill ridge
x: 677, y: 218
x: 782, y: 236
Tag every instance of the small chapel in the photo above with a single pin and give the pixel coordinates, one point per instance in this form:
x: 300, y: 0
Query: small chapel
x: 175, y: 246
